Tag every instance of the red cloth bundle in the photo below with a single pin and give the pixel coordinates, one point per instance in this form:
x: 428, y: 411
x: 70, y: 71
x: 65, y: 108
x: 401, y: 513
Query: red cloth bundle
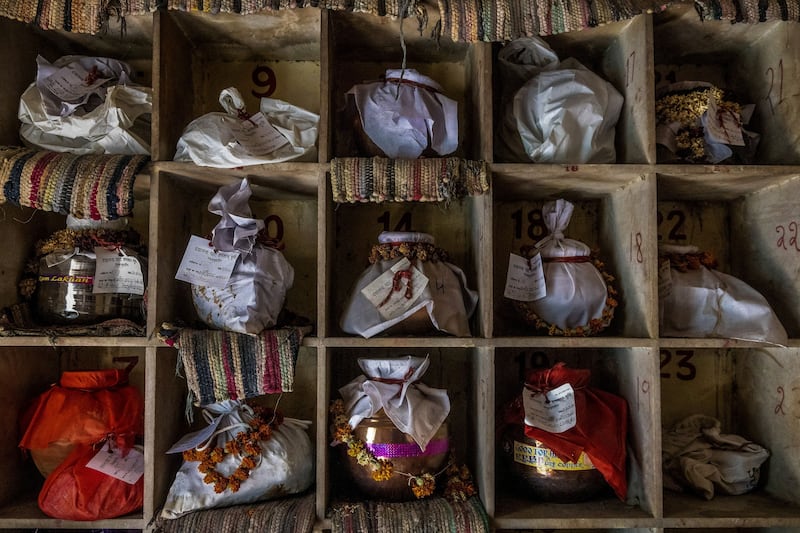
x: 601, y: 423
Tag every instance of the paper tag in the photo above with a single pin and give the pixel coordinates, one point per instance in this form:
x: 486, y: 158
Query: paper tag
x: 664, y: 280
x: 723, y: 126
x: 202, y: 265
x: 525, y: 279
x: 116, y: 272
x: 69, y: 83
x: 111, y: 462
x: 193, y: 440
x: 553, y: 411
x: 258, y: 136
x: 390, y: 298
x: 541, y: 457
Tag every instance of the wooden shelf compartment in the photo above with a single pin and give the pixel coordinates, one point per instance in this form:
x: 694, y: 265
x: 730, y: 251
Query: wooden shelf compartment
x: 612, y: 215
x: 27, y: 373
x: 274, y: 54
x: 284, y: 199
x: 747, y: 219
x: 626, y: 372
x: 461, y: 372
x: 755, y: 61
x: 753, y: 393
x: 620, y: 53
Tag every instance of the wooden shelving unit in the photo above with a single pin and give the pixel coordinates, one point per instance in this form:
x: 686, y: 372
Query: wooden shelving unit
x: 747, y: 215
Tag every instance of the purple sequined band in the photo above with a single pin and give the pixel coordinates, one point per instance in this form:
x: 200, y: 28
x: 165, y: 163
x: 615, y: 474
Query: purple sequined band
x: 408, y: 449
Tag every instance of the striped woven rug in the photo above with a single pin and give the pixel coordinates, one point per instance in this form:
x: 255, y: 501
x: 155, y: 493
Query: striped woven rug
x: 99, y: 187
x: 377, y: 179
x: 748, y: 10
x: 224, y: 365
x: 432, y: 515
x: 286, y: 515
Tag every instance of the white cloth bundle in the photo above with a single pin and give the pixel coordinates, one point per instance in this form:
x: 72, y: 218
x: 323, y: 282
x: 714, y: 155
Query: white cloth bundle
x: 445, y: 297
x: 86, y: 105
x: 211, y: 140
x: 708, y: 303
x: 564, y: 113
x: 403, y: 118
x: 697, y: 454
x: 576, y: 291
x: 256, y: 291
x: 285, y: 465
x: 414, y: 408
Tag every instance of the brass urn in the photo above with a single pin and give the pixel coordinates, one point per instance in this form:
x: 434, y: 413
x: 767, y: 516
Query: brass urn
x: 385, y: 441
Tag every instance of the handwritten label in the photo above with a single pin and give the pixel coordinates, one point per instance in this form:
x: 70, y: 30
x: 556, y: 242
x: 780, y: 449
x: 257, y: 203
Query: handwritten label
x: 790, y: 230
x: 117, y: 272
x: 70, y: 83
x: 546, y: 458
x: 258, y: 136
x: 723, y: 125
x: 525, y: 279
x: 202, y: 265
x: 395, y: 291
x: 111, y: 461
x: 553, y: 411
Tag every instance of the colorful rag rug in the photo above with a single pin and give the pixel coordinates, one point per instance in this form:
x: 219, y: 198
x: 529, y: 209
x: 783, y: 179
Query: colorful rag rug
x: 432, y: 515
x: 377, y: 179
x: 294, y: 514
x: 224, y: 365
x: 99, y: 187
x: 504, y: 20
x: 748, y: 10
x: 79, y: 16
x: 375, y: 7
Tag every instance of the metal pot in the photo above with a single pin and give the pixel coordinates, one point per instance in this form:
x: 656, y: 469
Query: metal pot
x: 384, y: 440
x: 64, y: 294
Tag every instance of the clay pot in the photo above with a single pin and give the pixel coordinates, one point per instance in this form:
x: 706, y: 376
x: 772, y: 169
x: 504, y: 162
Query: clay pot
x: 537, y: 471
x: 380, y: 435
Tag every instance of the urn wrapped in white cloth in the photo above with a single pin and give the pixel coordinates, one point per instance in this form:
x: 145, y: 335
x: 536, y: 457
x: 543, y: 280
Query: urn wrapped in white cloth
x: 392, y: 384
x: 256, y: 291
x: 411, y: 288
x: 279, y: 132
x: 564, y: 113
x: 696, y: 300
x: 578, y: 298
x: 86, y: 105
x: 271, y: 463
x: 406, y: 114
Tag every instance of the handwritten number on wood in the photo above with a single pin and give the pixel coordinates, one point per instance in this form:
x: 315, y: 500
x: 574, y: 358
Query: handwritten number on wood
x: 771, y: 73
x: 790, y: 229
x: 274, y: 221
x: 779, y: 407
x: 264, y: 78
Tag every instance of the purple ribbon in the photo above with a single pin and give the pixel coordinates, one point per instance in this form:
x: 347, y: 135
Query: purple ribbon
x: 408, y: 449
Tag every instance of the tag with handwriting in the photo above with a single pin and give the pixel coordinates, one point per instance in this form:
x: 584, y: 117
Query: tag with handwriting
x: 117, y: 272
x: 553, y: 411
x: 664, y: 279
x: 393, y: 292
x: 525, y: 279
x: 204, y: 266
x: 110, y: 461
x: 258, y: 136
x: 723, y: 125
x: 70, y: 83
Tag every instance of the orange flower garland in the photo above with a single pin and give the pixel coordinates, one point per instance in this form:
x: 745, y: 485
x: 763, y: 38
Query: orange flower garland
x: 246, y: 445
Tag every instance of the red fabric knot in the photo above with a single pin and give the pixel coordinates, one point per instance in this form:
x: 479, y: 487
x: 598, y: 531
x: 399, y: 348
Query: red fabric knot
x: 397, y: 285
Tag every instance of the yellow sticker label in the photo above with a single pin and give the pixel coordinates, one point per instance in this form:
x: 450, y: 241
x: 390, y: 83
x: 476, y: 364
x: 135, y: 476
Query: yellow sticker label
x: 545, y: 458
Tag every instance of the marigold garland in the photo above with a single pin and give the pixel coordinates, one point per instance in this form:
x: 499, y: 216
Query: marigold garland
x: 424, y: 251
x: 245, y: 445
x: 689, y: 261
x: 595, y: 325
x: 459, y: 485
